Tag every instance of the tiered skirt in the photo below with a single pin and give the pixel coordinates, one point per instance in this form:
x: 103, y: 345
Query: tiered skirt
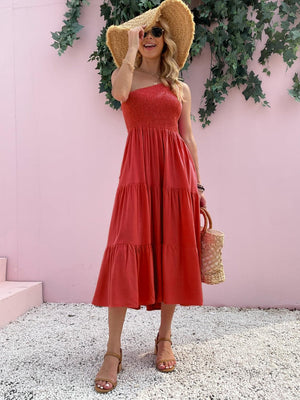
x: 153, y: 249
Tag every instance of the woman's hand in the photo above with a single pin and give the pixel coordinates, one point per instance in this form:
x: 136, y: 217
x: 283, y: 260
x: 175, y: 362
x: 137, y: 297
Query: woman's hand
x: 134, y: 36
x: 202, y: 199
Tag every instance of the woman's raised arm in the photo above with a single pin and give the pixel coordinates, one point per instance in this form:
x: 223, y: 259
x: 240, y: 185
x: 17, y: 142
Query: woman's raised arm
x: 121, y: 78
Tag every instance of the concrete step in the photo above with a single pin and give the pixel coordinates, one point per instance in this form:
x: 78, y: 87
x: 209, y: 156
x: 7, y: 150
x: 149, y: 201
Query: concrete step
x: 3, y: 262
x: 17, y: 297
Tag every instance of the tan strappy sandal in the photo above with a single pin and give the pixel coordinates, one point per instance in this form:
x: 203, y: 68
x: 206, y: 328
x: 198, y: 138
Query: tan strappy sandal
x: 158, y: 362
x: 100, y: 378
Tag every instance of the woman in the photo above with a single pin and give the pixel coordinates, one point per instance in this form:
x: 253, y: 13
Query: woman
x: 152, y: 256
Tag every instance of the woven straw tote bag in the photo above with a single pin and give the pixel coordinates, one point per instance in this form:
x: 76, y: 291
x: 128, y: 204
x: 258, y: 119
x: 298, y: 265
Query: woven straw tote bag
x: 212, y: 270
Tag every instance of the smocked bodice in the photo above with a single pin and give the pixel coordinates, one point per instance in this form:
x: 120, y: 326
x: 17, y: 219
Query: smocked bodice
x: 153, y: 106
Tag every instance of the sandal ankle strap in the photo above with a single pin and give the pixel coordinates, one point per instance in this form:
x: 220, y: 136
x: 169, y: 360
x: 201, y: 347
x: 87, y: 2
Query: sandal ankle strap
x: 163, y: 339
x: 158, y: 339
x: 118, y: 356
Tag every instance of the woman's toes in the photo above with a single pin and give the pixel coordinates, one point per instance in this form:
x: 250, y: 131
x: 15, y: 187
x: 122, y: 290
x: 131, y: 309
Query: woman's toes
x: 104, y: 385
x: 169, y: 365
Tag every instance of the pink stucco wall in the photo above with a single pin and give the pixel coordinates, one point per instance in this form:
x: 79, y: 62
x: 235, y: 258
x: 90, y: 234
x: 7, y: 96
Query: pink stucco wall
x: 61, y: 152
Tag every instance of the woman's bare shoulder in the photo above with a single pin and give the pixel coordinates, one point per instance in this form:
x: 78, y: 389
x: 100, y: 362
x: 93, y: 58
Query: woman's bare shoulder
x: 186, y: 91
x: 185, y: 87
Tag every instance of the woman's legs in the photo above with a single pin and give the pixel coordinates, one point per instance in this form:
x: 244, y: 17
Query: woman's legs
x: 116, y: 317
x: 164, y: 347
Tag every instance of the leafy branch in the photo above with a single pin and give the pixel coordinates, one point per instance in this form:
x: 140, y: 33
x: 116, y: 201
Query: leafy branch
x: 68, y: 33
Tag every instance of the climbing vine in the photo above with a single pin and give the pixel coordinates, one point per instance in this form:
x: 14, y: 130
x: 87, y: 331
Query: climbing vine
x: 71, y: 27
x: 231, y: 29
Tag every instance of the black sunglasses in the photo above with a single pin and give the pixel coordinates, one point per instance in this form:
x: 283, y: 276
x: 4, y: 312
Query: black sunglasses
x: 156, y: 31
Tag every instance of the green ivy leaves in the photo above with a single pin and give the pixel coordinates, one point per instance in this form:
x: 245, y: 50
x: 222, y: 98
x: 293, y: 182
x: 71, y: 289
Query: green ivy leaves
x: 71, y: 27
x: 295, y: 91
x: 230, y: 28
x: 233, y: 28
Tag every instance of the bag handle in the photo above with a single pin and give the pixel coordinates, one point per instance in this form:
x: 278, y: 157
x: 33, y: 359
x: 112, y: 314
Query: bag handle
x: 207, y: 218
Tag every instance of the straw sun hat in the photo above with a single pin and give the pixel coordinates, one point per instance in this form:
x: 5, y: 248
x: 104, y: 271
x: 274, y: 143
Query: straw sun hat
x: 179, y: 19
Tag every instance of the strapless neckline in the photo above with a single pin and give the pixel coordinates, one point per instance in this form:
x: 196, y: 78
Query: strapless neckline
x: 146, y: 87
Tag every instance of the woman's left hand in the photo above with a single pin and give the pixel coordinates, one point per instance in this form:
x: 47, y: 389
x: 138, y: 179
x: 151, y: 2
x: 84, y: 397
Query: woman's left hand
x: 202, y: 200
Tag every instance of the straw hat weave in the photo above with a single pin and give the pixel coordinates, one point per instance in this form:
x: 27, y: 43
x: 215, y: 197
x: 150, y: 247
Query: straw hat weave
x: 179, y: 19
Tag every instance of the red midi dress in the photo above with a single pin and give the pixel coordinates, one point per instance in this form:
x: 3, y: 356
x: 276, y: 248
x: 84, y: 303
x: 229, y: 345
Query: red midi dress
x: 153, y: 248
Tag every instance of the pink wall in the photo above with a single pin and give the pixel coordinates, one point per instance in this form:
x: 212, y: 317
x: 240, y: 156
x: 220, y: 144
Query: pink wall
x: 61, y: 152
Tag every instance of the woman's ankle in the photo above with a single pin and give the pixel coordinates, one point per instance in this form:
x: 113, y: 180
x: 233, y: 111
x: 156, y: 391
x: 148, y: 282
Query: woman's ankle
x: 164, y: 333
x: 113, y: 346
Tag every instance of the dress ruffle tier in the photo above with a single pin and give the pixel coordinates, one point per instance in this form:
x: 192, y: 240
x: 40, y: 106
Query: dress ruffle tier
x: 153, y: 248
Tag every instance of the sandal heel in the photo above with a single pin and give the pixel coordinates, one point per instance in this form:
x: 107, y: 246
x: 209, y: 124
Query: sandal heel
x: 119, y: 367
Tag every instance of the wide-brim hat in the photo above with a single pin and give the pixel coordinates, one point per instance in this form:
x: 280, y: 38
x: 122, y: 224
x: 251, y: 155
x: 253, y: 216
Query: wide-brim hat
x: 179, y: 19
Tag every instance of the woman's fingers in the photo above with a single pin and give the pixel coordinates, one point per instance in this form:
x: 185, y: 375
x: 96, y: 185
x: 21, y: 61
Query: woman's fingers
x: 135, y: 35
x: 141, y: 33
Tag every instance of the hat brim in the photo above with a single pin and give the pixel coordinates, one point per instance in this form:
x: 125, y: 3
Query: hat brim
x: 179, y: 19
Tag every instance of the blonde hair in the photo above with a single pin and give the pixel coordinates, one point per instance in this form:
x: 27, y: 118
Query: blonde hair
x: 169, y: 70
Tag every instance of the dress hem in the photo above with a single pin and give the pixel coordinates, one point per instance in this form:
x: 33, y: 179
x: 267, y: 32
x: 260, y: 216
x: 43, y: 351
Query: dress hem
x: 150, y: 307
